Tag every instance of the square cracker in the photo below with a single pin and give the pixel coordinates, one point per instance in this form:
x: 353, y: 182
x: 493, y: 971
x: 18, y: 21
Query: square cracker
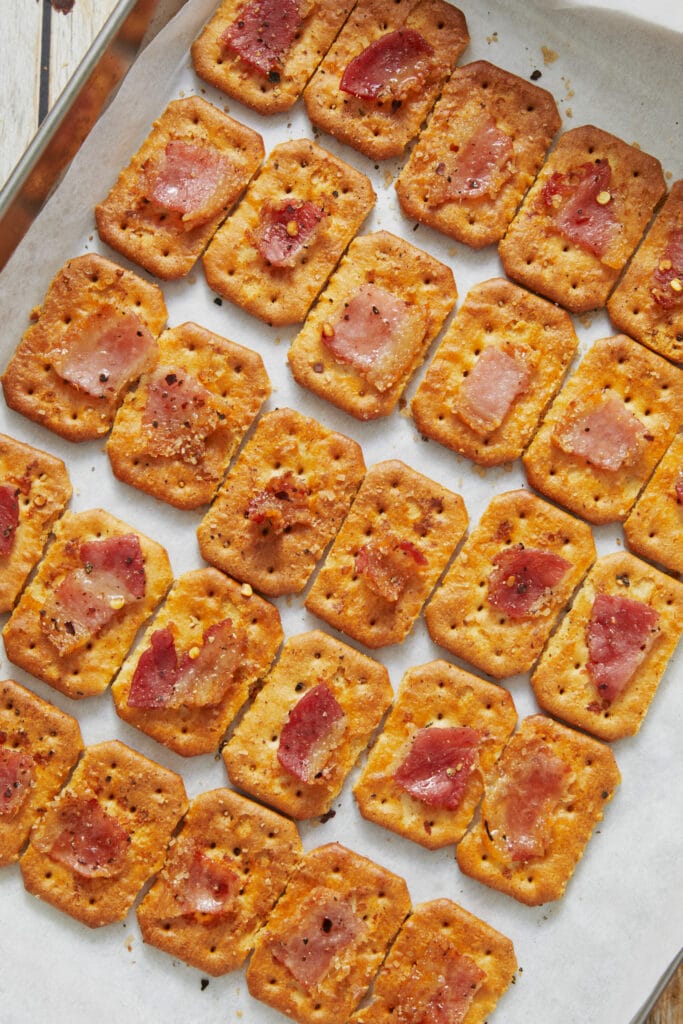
x: 382, y: 127
x: 199, y: 600
x: 561, y: 681
x: 85, y: 287
x: 651, y: 390
x: 413, y: 976
x: 89, y: 668
x: 50, y: 741
x: 408, y: 274
x: 162, y: 240
x: 359, y: 685
x: 404, y: 527
x: 316, y: 472
x: 461, y: 617
x: 279, y: 89
x: 186, y: 467
x: 228, y: 843
x: 647, y: 303
x: 477, y: 99
x: 43, y: 489
x: 655, y: 525
x: 375, y: 901
x: 567, y: 821
x: 295, y: 172
x: 537, y: 254
x: 144, y: 799
x: 436, y: 695
x: 538, y: 335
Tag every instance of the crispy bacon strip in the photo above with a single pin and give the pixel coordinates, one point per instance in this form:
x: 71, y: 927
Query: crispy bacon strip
x: 17, y: 777
x: 438, y: 766
x: 325, y: 926
x: 388, y: 564
x: 619, y: 635
x: 283, y: 503
x: 263, y: 32
x: 85, y: 838
x: 392, y: 67
x: 313, y: 729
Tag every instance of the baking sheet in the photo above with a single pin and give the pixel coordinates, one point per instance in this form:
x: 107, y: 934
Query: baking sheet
x: 596, y: 954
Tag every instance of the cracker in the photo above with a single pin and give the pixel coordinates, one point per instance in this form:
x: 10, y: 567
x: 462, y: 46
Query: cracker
x: 645, y: 386
x: 144, y: 799
x: 185, y: 465
x: 403, y: 527
x: 414, y: 974
x: 537, y: 254
x: 274, y: 542
x: 436, y: 695
x: 88, y: 669
x: 461, y: 616
x: 653, y: 528
x: 50, y: 742
x: 647, y: 303
x: 382, y: 127
x: 163, y: 240
x: 536, y: 334
x: 42, y: 489
x: 252, y: 851
x: 358, y: 684
x: 561, y: 681
x: 568, y: 821
x: 480, y: 101
x: 199, y: 600
x: 411, y: 276
x: 86, y: 288
x: 374, y: 899
x: 277, y: 90
x: 295, y: 172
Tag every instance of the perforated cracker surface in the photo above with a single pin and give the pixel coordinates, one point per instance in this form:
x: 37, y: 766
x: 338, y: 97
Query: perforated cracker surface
x: 655, y: 525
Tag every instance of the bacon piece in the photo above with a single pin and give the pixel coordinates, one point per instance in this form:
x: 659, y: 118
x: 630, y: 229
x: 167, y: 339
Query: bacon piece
x: 669, y: 268
x: 678, y: 488
x: 263, y: 32
x: 155, y: 673
x: 576, y: 199
x: 605, y: 433
x: 180, y: 415
x: 282, y: 504
x: 438, y: 765
x: 103, y: 353
x: 376, y: 335
x: 202, y: 883
x: 477, y: 170
x: 9, y: 517
x: 388, y: 564
x: 488, y: 392
x: 462, y: 979
x: 326, y: 926
x: 85, y: 838
x: 205, y: 675
x: 189, y: 179
x: 390, y: 68
x: 121, y: 557
x: 523, y: 579
x: 619, y: 635
x: 17, y: 776
x: 313, y: 729
x: 284, y: 230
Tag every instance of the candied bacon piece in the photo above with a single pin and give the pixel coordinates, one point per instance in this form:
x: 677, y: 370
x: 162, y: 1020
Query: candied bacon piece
x: 437, y: 768
x: 283, y: 503
x: 325, y: 927
x: 202, y: 882
x: 205, y: 674
x: 478, y: 169
x: 9, y: 517
x: 189, y: 179
x: 155, y: 673
x: 604, y: 432
x: 388, y: 564
x: 85, y: 838
x: 313, y: 729
x: 179, y: 415
x: 262, y: 33
x: 17, y: 776
x: 284, y: 230
x: 619, y: 635
x: 582, y: 205
x: 462, y: 979
x: 523, y: 579
x: 488, y: 392
x: 392, y: 67
x: 667, y: 290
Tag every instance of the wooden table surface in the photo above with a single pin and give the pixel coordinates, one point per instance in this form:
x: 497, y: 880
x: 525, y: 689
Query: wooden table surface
x: 39, y: 50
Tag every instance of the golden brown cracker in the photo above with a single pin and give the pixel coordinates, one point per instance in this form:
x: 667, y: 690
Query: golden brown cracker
x: 86, y: 287
x: 158, y: 238
x: 403, y: 527
x: 655, y: 525
x: 144, y: 799
x: 413, y: 976
x: 49, y: 743
x: 295, y: 172
x: 42, y: 489
x: 382, y: 127
x: 436, y: 695
x: 409, y: 275
x: 478, y: 99
x: 562, y: 682
x: 88, y: 669
x: 375, y: 901
x: 647, y: 303
x: 282, y: 502
x: 540, y: 256
x: 359, y: 685
x: 568, y: 820
x: 276, y: 90
x: 238, y: 857
x: 638, y: 383
x: 462, y: 617
x: 183, y: 464
x: 536, y: 334
x: 199, y: 600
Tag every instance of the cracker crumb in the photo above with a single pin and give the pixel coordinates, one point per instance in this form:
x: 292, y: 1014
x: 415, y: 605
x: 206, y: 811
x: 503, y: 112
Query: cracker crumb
x: 117, y: 603
x: 246, y: 590
x: 675, y: 284
x: 549, y: 56
x: 603, y: 197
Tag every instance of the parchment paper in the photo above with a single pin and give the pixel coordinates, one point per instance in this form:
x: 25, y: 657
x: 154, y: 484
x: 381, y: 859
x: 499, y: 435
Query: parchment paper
x: 591, y: 958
